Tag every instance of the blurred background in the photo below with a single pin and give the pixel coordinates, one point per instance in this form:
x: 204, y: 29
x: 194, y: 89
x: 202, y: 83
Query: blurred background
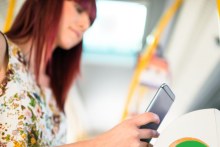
x: 183, y: 36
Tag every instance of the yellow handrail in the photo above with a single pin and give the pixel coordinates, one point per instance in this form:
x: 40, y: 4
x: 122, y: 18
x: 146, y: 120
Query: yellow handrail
x: 218, y: 6
x: 9, y: 17
x: 148, y: 52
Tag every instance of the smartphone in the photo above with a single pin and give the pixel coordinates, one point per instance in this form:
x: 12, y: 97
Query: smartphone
x: 159, y: 105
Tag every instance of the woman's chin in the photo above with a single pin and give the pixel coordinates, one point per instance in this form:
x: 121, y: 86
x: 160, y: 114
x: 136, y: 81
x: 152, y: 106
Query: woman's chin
x: 67, y: 46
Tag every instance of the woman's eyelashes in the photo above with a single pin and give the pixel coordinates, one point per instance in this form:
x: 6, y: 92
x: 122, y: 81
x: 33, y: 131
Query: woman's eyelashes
x: 79, y: 9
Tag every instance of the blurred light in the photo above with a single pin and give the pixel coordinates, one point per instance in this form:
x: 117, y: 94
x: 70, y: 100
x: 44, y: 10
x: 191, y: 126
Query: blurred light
x: 150, y: 39
x: 118, y: 29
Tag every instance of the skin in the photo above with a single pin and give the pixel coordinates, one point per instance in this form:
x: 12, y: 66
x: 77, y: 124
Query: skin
x: 74, y: 22
x: 125, y: 134
x: 3, y: 58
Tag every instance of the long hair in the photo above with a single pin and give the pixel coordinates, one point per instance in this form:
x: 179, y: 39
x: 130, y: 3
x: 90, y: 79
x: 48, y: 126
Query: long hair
x: 39, y: 20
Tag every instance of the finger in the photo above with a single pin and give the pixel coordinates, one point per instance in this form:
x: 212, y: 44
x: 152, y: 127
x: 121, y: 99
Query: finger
x: 146, y: 118
x: 143, y: 144
x: 148, y: 133
x: 149, y: 145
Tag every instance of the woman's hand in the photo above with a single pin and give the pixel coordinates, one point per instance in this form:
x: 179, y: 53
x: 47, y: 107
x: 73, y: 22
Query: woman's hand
x: 128, y: 133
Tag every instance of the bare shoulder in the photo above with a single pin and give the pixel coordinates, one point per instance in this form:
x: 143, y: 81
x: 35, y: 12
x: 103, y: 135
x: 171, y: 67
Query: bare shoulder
x: 2, y: 48
x: 2, y: 43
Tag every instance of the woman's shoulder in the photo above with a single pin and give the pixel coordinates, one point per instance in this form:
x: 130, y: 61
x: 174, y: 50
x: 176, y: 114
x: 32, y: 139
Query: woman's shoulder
x: 3, y: 46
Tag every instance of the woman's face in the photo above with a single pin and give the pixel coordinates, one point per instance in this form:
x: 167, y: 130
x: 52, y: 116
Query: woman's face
x: 74, y: 22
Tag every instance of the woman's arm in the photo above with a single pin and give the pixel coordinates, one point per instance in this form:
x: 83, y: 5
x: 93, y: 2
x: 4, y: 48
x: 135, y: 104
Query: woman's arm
x: 127, y: 133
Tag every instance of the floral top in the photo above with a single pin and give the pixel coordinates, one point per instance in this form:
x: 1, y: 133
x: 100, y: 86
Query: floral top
x: 29, y: 115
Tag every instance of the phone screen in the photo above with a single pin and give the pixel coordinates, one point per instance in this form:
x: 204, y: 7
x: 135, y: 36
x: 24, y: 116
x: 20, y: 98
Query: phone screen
x: 159, y: 105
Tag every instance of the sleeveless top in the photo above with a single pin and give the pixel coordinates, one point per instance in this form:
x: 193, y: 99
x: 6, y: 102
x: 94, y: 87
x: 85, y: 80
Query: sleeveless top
x: 29, y: 115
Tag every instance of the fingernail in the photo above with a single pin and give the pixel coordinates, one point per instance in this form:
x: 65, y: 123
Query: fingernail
x: 157, y: 118
x: 157, y: 134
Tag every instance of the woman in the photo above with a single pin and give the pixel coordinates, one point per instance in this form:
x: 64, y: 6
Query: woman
x: 40, y: 58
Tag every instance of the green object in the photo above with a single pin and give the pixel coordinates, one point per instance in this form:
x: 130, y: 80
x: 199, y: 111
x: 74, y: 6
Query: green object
x: 191, y: 144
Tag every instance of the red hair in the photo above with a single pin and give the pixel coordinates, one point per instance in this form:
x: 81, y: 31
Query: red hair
x: 39, y: 20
